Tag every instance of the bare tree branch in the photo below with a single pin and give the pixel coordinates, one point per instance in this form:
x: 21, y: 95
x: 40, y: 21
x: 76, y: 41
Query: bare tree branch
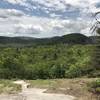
x: 95, y: 27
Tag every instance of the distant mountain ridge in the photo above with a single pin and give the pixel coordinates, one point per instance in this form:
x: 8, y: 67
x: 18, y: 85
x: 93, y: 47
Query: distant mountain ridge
x: 74, y: 38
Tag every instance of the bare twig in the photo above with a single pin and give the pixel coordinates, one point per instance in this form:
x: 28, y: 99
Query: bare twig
x: 95, y: 27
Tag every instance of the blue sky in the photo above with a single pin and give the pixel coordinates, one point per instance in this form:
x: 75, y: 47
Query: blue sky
x: 46, y: 18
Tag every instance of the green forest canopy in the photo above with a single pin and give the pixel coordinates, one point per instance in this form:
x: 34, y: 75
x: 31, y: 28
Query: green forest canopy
x: 48, y: 61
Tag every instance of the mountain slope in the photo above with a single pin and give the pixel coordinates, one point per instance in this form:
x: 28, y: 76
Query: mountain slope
x: 74, y: 38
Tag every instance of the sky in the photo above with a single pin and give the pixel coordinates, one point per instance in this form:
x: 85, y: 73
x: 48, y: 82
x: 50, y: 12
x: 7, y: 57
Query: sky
x: 46, y: 18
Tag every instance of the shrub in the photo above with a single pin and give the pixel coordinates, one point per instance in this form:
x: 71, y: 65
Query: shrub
x: 94, y: 86
x: 49, y: 61
x: 57, y: 71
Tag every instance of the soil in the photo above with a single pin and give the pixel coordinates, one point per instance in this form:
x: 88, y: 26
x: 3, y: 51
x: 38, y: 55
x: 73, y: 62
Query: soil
x: 34, y: 94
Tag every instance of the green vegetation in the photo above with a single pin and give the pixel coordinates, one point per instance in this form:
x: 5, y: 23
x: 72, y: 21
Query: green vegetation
x: 7, y: 86
x: 75, y: 38
x: 46, y: 61
x: 95, y: 86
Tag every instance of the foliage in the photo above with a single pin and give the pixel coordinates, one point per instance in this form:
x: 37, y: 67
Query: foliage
x: 75, y: 38
x: 95, y: 86
x: 45, y: 61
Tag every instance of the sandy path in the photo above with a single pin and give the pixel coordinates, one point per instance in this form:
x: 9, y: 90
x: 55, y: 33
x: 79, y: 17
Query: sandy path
x: 34, y: 94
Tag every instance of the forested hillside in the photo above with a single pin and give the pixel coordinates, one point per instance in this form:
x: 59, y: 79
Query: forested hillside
x: 75, y: 38
x: 46, y: 61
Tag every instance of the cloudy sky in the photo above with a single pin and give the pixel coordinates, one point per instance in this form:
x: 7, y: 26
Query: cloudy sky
x: 46, y: 18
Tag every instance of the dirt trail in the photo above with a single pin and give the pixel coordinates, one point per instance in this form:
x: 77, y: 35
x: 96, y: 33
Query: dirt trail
x: 34, y: 94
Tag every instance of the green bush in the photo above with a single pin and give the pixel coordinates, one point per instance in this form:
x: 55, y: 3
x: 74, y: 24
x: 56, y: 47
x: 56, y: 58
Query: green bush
x: 57, y: 71
x: 47, y: 61
x: 95, y: 86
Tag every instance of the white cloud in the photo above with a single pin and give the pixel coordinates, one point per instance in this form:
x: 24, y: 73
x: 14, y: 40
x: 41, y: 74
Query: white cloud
x: 85, y: 7
x: 14, y: 22
x: 5, y: 13
x: 28, y: 29
x: 58, y: 4
x: 16, y: 1
x: 32, y: 26
x: 25, y: 25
